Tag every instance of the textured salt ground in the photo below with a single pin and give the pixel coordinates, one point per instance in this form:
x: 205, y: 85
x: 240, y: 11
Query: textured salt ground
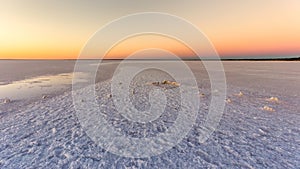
x: 47, y: 134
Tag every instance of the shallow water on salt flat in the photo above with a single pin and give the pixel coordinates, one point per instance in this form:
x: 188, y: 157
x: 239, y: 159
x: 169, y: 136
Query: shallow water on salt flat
x: 38, y: 86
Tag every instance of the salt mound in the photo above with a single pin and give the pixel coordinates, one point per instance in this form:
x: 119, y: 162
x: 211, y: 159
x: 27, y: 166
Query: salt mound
x: 273, y: 99
x: 53, y: 130
x: 228, y: 100
x: 6, y: 101
x: 240, y: 94
x: 170, y: 83
x: 267, y: 108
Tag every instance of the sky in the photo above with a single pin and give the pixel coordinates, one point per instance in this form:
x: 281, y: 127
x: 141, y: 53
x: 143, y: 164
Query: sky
x: 59, y: 29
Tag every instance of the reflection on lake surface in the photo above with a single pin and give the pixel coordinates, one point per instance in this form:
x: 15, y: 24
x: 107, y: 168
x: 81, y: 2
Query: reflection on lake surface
x: 39, y: 86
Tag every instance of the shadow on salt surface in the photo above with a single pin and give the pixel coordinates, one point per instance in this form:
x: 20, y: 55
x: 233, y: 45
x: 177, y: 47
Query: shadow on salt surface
x: 38, y: 86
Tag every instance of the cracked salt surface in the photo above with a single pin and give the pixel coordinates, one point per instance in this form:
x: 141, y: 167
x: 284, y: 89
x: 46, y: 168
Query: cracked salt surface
x: 47, y: 133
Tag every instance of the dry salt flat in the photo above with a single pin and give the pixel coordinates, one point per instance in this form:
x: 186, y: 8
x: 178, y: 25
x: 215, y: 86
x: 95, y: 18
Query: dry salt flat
x: 259, y: 127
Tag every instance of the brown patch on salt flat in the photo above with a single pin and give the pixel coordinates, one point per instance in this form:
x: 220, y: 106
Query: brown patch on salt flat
x: 171, y: 83
x: 228, y: 101
x: 240, y: 94
x: 166, y: 82
x: 133, y: 92
x: 6, y: 100
x: 267, y: 108
x: 273, y: 99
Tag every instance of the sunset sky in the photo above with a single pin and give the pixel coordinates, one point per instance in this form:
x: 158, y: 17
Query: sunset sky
x: 40, y: 29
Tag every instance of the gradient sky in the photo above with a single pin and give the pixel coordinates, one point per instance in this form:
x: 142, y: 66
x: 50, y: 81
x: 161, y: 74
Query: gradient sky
x: 58, y: 29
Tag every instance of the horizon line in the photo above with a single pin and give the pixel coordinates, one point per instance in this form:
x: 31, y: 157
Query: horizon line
x: 188, y: 59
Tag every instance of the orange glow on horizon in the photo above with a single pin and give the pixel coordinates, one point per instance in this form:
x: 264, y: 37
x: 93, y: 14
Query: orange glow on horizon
x: 225, y: 46
x: 131, y: 45
x: 233, y: 48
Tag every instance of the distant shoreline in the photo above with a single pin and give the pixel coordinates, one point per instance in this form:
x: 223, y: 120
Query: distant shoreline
x: 205, y: 59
